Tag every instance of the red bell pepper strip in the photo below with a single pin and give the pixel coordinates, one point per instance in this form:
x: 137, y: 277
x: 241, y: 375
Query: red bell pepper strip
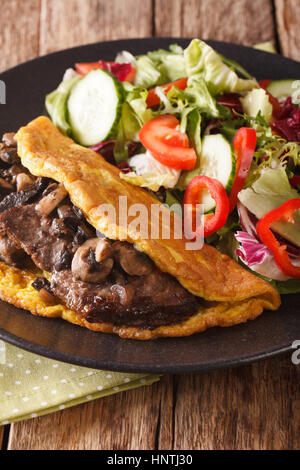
x: 153, y: 99
x: 244, y: 144
x: 212, y: 222
x: 284, y: 212
x: 167, y: 144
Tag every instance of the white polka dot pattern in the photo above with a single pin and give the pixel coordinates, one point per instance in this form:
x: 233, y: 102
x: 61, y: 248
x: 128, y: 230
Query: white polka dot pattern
x: 32, y: 386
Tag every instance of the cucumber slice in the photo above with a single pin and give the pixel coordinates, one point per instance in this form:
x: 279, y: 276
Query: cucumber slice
x: 94, y: 107
x: 217, y: 161
x: 282, y: 88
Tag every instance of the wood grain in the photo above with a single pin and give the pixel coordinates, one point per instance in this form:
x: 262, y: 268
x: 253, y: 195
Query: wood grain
x: 227, y: 20
x: 73, y: 22
x: 288, y: 20
x: 254, y: 407
x: 128, y: 420
x: 19, y: 31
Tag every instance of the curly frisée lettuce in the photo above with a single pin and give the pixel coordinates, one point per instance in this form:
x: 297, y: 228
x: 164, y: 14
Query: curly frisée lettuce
x: 202, y: 59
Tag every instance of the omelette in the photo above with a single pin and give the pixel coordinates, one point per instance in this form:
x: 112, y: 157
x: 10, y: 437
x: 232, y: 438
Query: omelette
x: 62, y: 256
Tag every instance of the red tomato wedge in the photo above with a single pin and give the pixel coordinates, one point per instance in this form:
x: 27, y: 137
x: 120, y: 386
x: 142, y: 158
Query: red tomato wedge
x: 192, y: 196
x: 167, y: 144
x: 124, y: 72
x: 85, y: 68
x: 153, y: 99
x: 244, y: 144
x: 284, y: 212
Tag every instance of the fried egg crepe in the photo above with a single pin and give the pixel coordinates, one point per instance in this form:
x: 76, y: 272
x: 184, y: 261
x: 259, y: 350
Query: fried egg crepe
x: 231, y: 294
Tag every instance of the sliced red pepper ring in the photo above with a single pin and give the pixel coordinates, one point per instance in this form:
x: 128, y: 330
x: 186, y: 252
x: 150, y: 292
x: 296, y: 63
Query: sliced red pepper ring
x: 167, y: 144
x: 212, y: 222
x: 153, y: 99
x: 284, y: 212
x: 244, y: 144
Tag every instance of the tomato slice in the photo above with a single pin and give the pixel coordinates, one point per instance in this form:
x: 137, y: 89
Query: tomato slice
x: 124, y: 72
x: 167, y: 144
x: 153, y: 99
x: 284, y: 212
x: 192, y: 196
x: 85, y: 68
x: 244, y: 144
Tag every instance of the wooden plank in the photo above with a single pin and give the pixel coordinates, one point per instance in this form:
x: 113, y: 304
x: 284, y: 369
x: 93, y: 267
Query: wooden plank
x: 242, y: 21
x: 127, y: 421
x: 288, y: 21
x: 19, y: 31
x: 73, y: 22
x: 254, y: 407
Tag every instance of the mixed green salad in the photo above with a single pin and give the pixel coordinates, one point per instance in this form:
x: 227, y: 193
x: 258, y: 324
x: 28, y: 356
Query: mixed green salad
x: 192, y: 126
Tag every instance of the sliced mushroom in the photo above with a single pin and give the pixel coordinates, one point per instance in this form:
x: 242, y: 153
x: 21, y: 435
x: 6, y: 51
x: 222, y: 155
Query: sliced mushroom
x: 24, y: 182
x: 48, y: 297
x: 131, y: 260
x: 125, y: 293
x: 48, y: 203
x: 5, y: 187
x: 103, y: 249
x: 9, y: 154
x: 85, y: 265
x: 9, y: 139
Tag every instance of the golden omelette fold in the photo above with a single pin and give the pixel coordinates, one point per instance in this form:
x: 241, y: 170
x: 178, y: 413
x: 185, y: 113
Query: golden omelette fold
x: 234, y: 295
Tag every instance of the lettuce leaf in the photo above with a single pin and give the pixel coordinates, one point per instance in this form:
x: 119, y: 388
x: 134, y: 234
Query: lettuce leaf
x: 269, y: 191
x: 148, y: 74
x: 194, y: 134
x: 150, y: 173
x: 201, y: 59
x: 56, y: 104
x: 257, y: 101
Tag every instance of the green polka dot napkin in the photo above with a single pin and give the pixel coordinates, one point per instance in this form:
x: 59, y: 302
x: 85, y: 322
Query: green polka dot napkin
x: 32, y: 385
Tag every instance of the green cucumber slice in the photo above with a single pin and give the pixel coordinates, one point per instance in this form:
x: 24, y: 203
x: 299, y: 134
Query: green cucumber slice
x: 217, y: 161
x: 282, y: 88
x: 94, y: 107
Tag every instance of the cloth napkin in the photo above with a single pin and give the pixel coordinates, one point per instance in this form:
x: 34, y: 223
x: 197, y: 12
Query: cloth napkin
x: 32, y: 385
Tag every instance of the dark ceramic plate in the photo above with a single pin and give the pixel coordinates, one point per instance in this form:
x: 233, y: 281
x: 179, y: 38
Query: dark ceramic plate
x: 271, y: 334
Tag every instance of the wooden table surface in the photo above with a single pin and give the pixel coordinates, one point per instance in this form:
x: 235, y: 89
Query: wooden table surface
x: 251, y: 407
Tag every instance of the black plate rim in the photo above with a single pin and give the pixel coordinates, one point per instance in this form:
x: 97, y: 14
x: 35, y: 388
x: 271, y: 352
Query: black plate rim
x: 123, y: 366
x: 116, y: 366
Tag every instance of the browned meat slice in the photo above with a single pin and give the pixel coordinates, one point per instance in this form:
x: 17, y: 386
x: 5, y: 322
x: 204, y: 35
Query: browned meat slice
x: 38, y: 237
x: 141, y: 301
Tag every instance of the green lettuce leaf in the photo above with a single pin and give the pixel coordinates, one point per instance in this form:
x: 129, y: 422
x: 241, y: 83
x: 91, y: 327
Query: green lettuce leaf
x: 202, y: 59
x: 194, y: 134
x: 56, y: 104
x: 269, y: 191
